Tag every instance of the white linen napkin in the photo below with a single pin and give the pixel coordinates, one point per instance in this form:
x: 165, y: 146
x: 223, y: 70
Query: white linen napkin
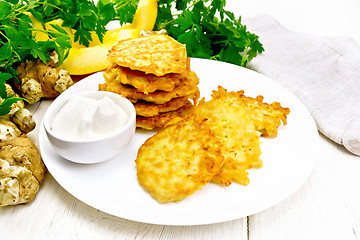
x: 323, y: 72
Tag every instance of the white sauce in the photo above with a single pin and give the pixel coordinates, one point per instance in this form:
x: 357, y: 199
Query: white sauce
x: 83, y: 118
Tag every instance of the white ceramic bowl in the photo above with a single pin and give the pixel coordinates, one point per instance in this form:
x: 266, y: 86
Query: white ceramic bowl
x: 97, y: 150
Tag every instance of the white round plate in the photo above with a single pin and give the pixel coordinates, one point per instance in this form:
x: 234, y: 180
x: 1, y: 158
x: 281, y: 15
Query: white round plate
x: 112, y: 186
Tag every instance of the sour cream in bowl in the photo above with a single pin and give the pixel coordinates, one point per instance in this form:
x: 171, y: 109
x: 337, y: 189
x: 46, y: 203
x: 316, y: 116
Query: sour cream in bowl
x: 90, y: 127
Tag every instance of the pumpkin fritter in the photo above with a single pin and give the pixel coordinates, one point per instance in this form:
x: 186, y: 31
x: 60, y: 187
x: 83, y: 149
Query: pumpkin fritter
x: 265, y: 117
x: 163, y: 119
x: 187, y: 86
x: 179, y: 160
x: 237, y: 133
x: 157, y: 54
x: 145, y: 83
x: 231, y: 119
x: 147, y: 109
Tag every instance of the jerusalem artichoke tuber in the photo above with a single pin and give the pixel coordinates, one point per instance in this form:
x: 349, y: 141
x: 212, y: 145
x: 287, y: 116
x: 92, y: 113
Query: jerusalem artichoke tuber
x: 21, y: 167
x: 15, y: 106
x: 21, y: 171
x: 39, y: 80
x: 18, y: 121
x: 23, y: 120
x: 8, y: 130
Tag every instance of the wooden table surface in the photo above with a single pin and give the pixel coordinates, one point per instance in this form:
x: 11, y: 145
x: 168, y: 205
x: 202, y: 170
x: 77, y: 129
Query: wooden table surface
x: 326, y: 206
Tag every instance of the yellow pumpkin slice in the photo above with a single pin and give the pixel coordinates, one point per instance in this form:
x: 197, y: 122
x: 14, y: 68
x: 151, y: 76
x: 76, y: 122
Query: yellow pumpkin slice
x: 91, y: 59
x: 39, y: 35
x: 145, y: 15
x: 94, y: 42
x: 83, y: 61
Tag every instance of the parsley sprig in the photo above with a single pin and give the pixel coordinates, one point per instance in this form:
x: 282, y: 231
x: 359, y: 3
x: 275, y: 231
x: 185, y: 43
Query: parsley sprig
x: 5, y: 100
x: 18, y: 44
x: 208, y: 30
x: 82, y: 15
x: 125, y: 10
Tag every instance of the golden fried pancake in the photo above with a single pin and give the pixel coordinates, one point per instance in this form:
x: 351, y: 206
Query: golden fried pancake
x: 163, y: 119
x: 238, y: 135
x: 179, y: 160
x: 146, y: 83
x: 157, y: 54
x: 187, y: 86
x: 147, y: 109
x: 265, y: 117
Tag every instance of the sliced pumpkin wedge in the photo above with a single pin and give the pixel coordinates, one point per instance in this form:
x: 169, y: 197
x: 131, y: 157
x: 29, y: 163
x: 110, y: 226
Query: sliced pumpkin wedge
x: 145, y: 15
x: 39, y: 36
x: 94, y: 42
x: 91, y: 59
x: 83, y: 61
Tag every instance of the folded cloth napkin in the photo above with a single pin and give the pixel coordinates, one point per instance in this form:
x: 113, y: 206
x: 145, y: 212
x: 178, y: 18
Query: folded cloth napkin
x: 323, y: 72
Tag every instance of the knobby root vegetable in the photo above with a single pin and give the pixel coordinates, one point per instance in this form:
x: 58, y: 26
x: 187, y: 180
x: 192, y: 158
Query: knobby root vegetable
x: 39, y: 80
x: 15, y: 106
x: 23, y: 120
x: 8, y: 130
x: 21, y: 167
x: 21, y: 171
x: 18, y: 121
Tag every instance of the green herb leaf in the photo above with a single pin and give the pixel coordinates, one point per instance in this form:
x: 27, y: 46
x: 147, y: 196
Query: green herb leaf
x: 3, y: 78
x: 5, y: 105
x: 5, y: 100
x: 125, y: 10
x: 208, y: 30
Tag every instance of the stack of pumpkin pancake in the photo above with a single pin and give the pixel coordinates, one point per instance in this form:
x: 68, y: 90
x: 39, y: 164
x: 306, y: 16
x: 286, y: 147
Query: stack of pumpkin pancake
x: 154, y: 73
